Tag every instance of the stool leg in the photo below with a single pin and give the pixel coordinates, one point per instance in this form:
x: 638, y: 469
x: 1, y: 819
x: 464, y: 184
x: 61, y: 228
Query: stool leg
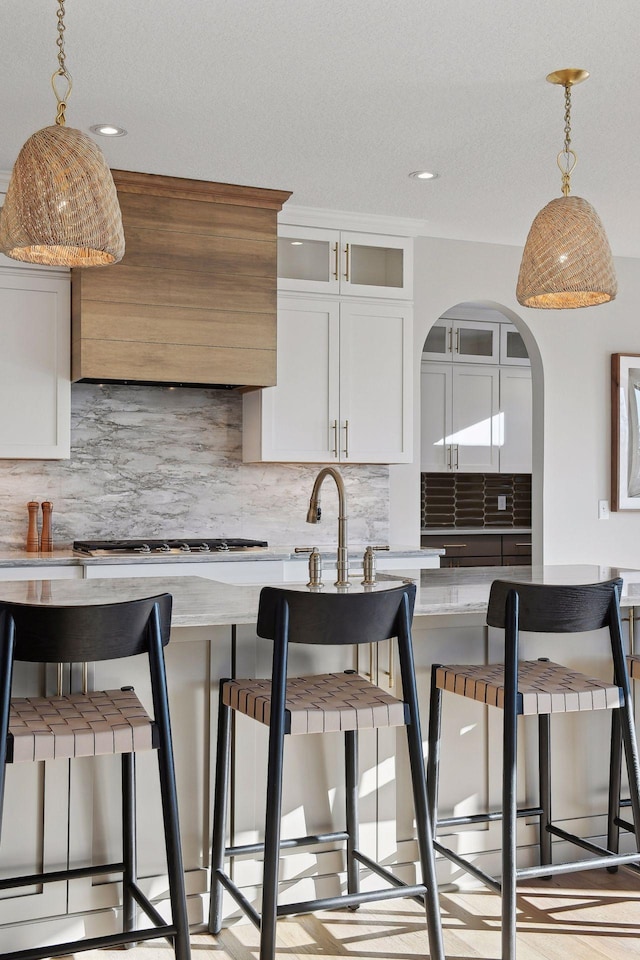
x: 272, y: 841
x: 544, y: 770
x: 351, y: 781
x: 219, y: 813
x: 168, y: 792
x: 129, y: 857
x: 615, y: 773
x: 425, y: 836
x: 633, y: 763
x: 509, y: 780
x: 433, y: 756
x: 7, y: 641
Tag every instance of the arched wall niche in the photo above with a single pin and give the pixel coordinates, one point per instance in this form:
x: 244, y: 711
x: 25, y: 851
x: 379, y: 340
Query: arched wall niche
x: 487, y: 310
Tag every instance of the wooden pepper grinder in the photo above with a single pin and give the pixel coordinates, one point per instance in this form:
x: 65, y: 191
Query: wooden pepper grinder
x: 46, y: 543
x: 32, y: 533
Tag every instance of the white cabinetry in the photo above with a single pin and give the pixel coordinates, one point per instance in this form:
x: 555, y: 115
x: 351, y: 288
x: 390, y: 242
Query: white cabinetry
x: 460, y: 423
x: 515, y: 420
x: 35, y: 387
x: 469, y: 341
x: 344, y: 390
x: 315, y: 260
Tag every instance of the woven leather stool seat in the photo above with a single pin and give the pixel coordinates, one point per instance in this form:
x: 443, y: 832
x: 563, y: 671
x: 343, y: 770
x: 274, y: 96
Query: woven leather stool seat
x: 77, y: 725
x: 543, y: 687
x: 323, y: 703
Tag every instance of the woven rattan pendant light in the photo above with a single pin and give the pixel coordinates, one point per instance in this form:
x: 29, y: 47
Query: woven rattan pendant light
x: 567, y: 259
x: 61, y: 206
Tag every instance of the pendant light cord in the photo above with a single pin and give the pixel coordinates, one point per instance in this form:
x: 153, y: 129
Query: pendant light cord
x: 62, y: 70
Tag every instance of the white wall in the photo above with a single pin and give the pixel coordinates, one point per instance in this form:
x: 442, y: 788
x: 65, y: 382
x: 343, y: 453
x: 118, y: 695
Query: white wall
x: 572, y: 445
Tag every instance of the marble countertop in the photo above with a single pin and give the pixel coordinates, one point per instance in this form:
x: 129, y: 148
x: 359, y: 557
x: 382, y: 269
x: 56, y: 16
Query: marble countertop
x: 202, y: 602
x: 67, y: 557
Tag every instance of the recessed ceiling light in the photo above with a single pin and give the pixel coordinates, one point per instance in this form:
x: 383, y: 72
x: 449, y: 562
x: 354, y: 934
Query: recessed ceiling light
x: 296, y: 243
x: 108, y: 130
x: 423, y: 175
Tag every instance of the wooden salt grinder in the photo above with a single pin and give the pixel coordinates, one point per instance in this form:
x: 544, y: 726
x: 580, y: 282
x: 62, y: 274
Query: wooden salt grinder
x: 32, y: 533
x: 47, y: 538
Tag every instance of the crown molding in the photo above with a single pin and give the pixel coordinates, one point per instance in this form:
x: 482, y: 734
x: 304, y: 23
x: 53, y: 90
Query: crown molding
x: 348, y: 220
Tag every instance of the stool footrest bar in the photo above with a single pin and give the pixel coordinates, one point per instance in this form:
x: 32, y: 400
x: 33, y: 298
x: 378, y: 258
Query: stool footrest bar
x: 548, y: 870
x: 53, y: 876
x: 350, y: 899
x: 487, y: 817
x: 91, y: 943
x: 247, y: 848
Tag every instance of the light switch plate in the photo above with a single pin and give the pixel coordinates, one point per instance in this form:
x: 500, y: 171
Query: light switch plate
x: 502, y: 502
x: 603, y: 509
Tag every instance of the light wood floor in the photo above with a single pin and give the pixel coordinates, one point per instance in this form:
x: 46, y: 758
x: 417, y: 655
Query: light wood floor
x: 590, y: 916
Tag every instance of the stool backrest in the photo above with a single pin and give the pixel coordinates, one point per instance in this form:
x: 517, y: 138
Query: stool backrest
x: 551, y: 608
x: 334, y: 618
x: 48, y: 634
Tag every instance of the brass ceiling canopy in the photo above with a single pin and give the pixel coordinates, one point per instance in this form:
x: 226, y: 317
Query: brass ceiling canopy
x: 567, y: 260
x: 61, y: 207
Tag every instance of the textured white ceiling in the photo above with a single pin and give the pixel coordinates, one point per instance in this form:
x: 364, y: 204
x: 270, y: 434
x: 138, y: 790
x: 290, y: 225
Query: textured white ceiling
x: 339, y: 101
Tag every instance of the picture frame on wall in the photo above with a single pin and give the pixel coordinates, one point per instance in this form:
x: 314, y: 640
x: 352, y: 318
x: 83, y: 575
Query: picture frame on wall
x: 625, y: 431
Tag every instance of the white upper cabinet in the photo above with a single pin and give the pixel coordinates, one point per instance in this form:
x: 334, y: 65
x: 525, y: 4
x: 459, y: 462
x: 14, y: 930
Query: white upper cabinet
x: 35, y: 386
x: 344, y: 390
x: 318, y: 260
x: 512, y: 346
x: 467, y: 341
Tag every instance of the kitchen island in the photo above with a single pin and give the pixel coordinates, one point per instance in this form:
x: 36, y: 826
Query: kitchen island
x: 213, y: 635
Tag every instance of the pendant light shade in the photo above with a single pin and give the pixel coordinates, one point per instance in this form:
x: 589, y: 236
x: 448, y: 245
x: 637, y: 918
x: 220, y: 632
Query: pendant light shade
x: 567, y: 260
x: 61, y: 206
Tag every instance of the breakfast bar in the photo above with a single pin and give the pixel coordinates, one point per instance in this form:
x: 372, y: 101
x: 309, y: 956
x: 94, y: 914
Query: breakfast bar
x: 213, y: 636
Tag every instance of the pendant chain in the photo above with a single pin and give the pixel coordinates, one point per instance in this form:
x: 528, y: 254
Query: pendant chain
x: 62, y: 69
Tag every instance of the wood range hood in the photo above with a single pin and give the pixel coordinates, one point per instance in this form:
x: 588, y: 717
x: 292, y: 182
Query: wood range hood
x: 193, y: 301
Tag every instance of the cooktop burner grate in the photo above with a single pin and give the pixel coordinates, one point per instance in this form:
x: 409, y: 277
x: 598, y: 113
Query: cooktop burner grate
x: 180, y: 546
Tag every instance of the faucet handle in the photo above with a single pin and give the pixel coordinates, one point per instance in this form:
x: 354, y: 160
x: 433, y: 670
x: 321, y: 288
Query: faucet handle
x: 315, y: 565
x: 369, y: 565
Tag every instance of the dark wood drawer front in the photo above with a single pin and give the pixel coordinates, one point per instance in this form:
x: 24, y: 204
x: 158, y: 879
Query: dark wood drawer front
x: 475, y: 545
x: 514, y: 544
x: 481, y: 549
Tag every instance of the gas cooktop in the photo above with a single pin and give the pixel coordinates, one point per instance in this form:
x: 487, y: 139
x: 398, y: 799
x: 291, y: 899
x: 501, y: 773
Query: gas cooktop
x: 99, y: 548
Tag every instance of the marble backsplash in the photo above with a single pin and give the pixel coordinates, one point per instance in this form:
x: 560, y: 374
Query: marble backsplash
x: 167, y: 462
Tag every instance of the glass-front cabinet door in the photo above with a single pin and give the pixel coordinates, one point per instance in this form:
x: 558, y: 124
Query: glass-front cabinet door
x: 376, y: 266
x: 315, y: 260
x: 512, y: 346
x: 308, y: 259
x: 470, y: 341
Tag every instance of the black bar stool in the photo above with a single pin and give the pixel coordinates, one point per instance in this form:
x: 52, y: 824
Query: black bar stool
x: 344, y: 701
x: 540, y: 688
x: 104, y: 722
